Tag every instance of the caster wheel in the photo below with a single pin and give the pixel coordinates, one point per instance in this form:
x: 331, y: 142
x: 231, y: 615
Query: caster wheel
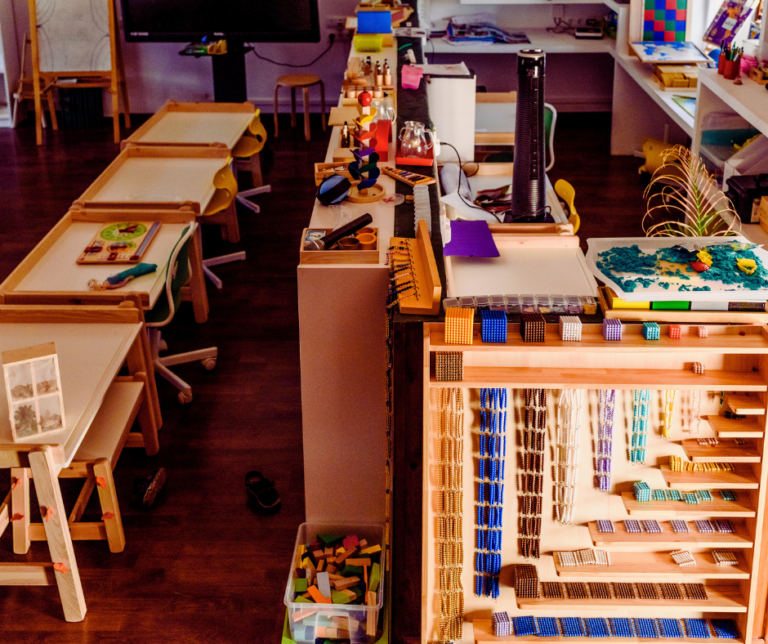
x: 163, y: 345
x: 185, y: 397
x: 209, y: 363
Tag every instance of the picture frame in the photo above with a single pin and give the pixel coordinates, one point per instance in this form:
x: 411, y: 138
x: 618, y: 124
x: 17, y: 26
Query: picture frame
x: 33, y: 390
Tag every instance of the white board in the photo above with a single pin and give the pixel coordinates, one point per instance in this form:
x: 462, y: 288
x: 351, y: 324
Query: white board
x: 73, y: 35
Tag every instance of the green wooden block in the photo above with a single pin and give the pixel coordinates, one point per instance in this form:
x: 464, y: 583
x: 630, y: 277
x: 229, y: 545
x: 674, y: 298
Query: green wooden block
x: 303, y: 600
x: 374, y: 578
x: 300, y: 585
x: 339, y: 597
x: 670, y: 306
x: 352, y: 571
x: 358, y: 592
x: 330, y: 539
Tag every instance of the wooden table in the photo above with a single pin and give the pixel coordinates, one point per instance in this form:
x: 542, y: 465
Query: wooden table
x: 92, y: 345
x: 51, y: 268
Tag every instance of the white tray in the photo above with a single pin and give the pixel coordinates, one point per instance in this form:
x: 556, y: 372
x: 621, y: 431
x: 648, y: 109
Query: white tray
x: 654, y: 292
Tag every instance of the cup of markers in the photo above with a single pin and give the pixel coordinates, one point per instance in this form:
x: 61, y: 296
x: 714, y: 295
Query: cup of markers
x: 730, y: 61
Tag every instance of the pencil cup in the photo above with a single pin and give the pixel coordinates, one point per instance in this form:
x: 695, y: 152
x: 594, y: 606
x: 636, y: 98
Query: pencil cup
x: 367, y: 241
x: 731, y: 69
x: 349, y: 243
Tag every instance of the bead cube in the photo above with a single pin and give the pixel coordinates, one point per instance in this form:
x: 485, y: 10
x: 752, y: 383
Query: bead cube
x: 698, y: 368
x: 570, y: 328
x: 675, y: 331
x: 533, y: 327
x: 458, y: 325
x: 612, y: 329
x: 494, y: 326
x: 651, y: 331
x: 703, y: 333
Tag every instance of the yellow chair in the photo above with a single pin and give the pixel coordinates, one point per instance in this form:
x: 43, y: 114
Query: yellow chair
x: 250, y: 146
x: 566, y: 192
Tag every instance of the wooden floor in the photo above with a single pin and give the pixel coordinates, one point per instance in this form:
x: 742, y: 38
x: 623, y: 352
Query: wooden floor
x: 201, y: 566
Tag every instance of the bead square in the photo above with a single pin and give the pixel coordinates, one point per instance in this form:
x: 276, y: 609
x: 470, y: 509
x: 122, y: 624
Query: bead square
x: 449, y: 366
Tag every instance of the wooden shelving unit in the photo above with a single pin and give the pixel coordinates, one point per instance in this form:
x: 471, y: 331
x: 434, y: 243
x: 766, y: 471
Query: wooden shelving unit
x: 736, y: 363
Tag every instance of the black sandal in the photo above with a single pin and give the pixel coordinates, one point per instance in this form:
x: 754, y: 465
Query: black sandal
x: 262, y: 491
x: 146, y: 490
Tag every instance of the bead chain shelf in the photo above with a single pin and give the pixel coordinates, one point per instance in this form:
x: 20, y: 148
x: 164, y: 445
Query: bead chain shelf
x: 640, y: 411
x: 530, y: 484
x: 450, y: 542
x: 567, y: 453
x: 490, y: 497
x: 669, y: 405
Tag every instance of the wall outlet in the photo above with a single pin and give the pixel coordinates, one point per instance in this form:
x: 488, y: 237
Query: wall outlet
x: 335, y: 25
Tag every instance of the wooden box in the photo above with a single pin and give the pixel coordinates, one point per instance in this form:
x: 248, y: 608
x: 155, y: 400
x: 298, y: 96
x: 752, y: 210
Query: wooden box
x: 33, y: 390
x: 338, y: 256
x: 325, y: 170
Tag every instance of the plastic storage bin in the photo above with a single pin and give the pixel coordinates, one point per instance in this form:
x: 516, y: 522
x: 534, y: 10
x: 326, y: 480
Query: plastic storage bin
x: 342, y: 617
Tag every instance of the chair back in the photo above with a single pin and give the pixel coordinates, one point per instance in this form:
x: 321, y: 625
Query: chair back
x: 254, y: 139
x: 226, y: 190
x: 177, y: 273
x: 550, y: 120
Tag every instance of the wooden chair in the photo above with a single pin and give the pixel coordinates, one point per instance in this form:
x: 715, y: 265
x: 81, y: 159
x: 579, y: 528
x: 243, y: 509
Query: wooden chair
x: 304, y: 81
x: 249, y: 147
x: 25, y: 91
x: 94, y: 461
x: 177, y: 274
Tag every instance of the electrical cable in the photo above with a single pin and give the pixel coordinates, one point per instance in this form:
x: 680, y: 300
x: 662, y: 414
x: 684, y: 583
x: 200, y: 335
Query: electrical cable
x: 467, y: 203
x: 331, y: 38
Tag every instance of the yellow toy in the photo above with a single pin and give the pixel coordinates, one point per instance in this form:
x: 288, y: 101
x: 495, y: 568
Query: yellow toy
x: 747, y: 266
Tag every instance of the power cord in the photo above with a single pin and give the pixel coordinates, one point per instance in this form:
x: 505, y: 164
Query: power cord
x: 463, y: 199
x: 331, y: 39
x: 562, y: 26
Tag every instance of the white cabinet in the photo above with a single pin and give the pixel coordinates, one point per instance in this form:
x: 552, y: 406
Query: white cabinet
x: 9, y: 61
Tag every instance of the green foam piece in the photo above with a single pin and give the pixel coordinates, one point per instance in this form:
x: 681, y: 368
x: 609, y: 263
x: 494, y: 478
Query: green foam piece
x: 670, y: 306
x: 329, y: 539
x: 303, y: 600
x: 300, y: 585
x: 338, y: 597
x: 358, y: 592
x: 352, y: 571
x: 374, y: 578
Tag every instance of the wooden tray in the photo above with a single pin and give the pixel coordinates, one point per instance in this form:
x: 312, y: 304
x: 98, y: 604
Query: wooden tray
x: 196, y: 124
x: 159, y: 177
x: 337, y: 256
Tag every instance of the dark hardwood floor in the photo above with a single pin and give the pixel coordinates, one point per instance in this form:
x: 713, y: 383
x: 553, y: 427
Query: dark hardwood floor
x: 201, y: 566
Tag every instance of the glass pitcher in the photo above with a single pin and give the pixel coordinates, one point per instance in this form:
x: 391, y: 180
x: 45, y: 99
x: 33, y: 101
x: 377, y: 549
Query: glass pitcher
x: 384, y: 112
x: 413, y: 140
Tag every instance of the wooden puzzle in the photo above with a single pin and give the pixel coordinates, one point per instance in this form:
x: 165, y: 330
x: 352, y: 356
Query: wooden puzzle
x: 120, y: 243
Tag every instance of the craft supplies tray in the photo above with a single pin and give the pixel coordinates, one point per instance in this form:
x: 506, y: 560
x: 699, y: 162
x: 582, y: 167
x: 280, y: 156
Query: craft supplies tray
x: 337, y: 256
x: 681, y: 284
x: 333, y: 616
x: 527, y: 264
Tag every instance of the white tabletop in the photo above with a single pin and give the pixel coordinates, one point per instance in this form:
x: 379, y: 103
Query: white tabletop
x: 90, y: 356
x: 198, y: 127
x: 495, y: 117
x: 158, y: 180
x: 58, y: 269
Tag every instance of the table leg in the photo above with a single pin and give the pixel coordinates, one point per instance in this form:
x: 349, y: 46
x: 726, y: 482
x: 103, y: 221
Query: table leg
x: 57, y: 533
x: 149, y: 414
x: 197, y: 289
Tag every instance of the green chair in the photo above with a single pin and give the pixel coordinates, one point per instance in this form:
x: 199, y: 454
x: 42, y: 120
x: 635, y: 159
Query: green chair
x: 177, y: 274
x: 550, y: 120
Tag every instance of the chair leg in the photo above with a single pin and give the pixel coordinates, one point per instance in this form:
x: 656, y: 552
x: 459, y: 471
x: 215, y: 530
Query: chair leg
x: 82, y: 500
x: 322, y: 105
x: 256, y: 176
x: 307, y: 133
x: 232, y: 225
x: 293, y: 107
x: 277, y: 90
x: 110, y: 508
x: 20, y: 505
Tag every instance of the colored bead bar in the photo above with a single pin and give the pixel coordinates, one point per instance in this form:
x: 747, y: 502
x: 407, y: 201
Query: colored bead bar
x: 678, y: 525
x: 651, y: 331
x: 670, y: 627
x: 605, y: 526
x: 597, y: 627
x: 724, y: 525
x: 725, y: 628
x: 728, y: 495
x: 696, y: 592
x: 530, y: 480
x: 651, y: 526
x: 704, y: 526
x: 640, y: 413
x: 642, y: 492
x: 502, y: 625
x: 725, y: 558
x: 696, y: 628
x: 525, y: 626
x: 683, y: 558
x: 527, y: 581
x: 603, y: 457
x: 572, y: 627
x: 548, y: 627
x: 567, y: 453
x: 494, y: 326
x: 646, y: 628
x: 622, y: 627
x: 631, y: 525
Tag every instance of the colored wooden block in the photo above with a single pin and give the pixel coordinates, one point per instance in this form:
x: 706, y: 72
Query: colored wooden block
x: 338, y: 597
x: 358, y: 591
x: 349, y: 594
x: 324, y: 584
x: 351, y: 570
x: 359, y: 562
x: 350, y: 541
x: 330, y: 539
x: 347, y: 582
x: 340, y: 559
x: 334, y: 575
x: 303, y: 600
x: 371, y: 551
x: 318, y: 555
x: 320, y: 565
x: 300, y: 585
x: 315, y: 593
x: 331, y: 569
x: 303, y: 614
x: 375, y: 577
x: 363, y: 544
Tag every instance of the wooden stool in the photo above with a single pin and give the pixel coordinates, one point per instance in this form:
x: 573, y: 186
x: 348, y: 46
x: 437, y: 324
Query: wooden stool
x: 305, y: 81
x: 94, y: 461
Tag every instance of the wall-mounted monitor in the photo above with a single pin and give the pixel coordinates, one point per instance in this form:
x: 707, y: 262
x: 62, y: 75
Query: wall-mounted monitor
x: 246, y: 20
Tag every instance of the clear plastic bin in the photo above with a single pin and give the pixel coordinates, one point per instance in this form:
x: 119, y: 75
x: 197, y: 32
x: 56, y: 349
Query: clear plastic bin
x: 467, y: 302
x: 482, y: 302
x: 559, y: 305
x: 498, y: 303
x: 528, y: 304
x: 450, y: 302
x: 513, y: 304
x: 340, y: 621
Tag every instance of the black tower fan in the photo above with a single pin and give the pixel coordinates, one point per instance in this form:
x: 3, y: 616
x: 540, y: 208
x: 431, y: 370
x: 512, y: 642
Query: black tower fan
x: 528, y: 179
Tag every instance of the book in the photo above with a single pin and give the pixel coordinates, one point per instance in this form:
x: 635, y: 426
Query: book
x: 727, y: 21
x: 688, y: 103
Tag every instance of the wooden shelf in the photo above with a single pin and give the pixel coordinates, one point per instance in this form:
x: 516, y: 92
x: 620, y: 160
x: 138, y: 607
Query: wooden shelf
x: 742, y: 478
x: 722, y: 599
x: 745, y: 405
x: 742, y: 507
x: 726, y: 342
x: 725, y: 452
x: 483, y: 629
x: 750, y: 427
x: 656, y: 566
x: 541, y: 38
x: 560, y: 378
x: 667, y: 539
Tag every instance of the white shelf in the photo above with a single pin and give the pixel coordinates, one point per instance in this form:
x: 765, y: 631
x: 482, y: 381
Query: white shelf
x: 642, y: 74
x: 610, y: 3
x: 540, y: 38
x: 749, y: 100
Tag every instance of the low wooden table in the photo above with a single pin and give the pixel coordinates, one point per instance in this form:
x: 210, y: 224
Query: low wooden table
x: 51, y: 269
x: 92, y: 344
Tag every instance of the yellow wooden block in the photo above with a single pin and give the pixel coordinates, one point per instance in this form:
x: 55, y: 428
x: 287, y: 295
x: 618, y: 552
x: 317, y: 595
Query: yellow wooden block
x: 374, y: 549
x: 617, y: 303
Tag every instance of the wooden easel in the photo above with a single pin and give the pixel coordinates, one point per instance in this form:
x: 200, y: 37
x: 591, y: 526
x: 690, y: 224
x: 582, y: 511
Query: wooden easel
x: 112, y: 79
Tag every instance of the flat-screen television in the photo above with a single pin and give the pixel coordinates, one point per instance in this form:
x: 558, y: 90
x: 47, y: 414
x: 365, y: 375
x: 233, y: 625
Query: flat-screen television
x: 246, y: 20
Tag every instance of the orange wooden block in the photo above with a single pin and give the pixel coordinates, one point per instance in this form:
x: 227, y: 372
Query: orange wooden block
x: 303, y: 614
x: 347, y: 582
x: 359, y: 562
x: 331, y: 568
x: 320, y: 565
x: 341, y: 559
x: 318, y: 596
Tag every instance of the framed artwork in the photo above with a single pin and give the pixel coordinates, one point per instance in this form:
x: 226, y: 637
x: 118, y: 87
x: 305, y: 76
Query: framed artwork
x: 33, y: 389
